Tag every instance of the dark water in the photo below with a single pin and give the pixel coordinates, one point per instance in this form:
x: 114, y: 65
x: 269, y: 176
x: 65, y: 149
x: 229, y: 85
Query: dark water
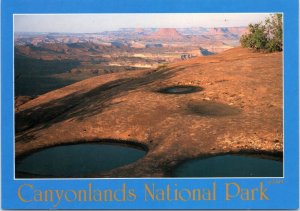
x: 78, y: 160
x: 229, y: 166
x: 180, y: 89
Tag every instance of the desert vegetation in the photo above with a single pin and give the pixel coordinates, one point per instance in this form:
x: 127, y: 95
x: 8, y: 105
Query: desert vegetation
x: 266, y: 36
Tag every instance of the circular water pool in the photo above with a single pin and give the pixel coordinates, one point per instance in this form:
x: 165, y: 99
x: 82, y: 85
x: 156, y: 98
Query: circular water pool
x: 229, y: 166
x: 180, y: 89
x: 78, y: 160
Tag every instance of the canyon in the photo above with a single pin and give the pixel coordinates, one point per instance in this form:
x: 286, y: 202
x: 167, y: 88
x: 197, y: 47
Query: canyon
x: 66, y: 58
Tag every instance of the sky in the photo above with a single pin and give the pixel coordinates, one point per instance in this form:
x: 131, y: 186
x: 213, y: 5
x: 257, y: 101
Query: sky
x: 93, y: 23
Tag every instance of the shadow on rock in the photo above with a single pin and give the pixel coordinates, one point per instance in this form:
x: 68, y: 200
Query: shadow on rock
x: 79, y: 106
x: 209, y: 108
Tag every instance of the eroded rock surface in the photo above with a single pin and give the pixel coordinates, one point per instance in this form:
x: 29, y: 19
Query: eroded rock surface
x: 239, y: 109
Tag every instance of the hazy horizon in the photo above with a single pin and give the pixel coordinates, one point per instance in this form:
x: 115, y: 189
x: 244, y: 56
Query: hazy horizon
x: 95, y: 23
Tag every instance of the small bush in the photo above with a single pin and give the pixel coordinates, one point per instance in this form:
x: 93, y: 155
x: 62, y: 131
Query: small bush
x: 265, y: 36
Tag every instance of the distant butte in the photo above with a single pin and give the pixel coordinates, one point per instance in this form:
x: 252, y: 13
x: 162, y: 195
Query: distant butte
x: 227, y: 31
x: 166, y: 33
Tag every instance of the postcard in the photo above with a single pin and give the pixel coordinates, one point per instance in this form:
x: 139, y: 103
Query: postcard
x: 150, y: 105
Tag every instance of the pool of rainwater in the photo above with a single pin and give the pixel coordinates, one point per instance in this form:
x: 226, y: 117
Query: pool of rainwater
x: 180, y: 89
x: 78, y: 160
x: 229, y: 166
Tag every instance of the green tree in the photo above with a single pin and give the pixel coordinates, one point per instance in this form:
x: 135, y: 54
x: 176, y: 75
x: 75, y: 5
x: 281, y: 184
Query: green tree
x: 274, y: 32
x: 265, y: 36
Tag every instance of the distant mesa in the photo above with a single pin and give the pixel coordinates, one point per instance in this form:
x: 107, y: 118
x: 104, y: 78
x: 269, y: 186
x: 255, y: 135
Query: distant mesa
x: 222, y: 33
x: 216, y: 31
x: 227, y: 32
x: 166, y: 34
x: 238, y: 30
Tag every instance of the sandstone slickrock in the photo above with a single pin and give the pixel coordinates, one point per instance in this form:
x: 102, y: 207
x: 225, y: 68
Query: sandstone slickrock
x: 244, y: 88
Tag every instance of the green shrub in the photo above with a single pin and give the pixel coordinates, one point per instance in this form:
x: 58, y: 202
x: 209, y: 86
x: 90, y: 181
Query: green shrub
x: 265, y: 36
